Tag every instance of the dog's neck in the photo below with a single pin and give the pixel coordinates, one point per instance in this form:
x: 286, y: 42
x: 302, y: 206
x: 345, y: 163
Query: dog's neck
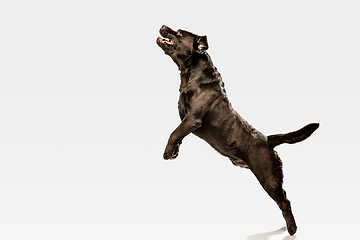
x: 194, y: 73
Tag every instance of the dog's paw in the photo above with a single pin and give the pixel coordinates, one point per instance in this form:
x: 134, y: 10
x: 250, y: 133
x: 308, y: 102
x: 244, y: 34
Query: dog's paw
x: 171, y: 152
x: 292, y: 230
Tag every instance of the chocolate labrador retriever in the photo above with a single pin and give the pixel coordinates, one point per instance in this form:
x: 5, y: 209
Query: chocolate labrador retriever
x: 206, y: 111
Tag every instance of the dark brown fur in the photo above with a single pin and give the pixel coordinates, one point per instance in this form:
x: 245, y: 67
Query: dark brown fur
x: 206, y: 111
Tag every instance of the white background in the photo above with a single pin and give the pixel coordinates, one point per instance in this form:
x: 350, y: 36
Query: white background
x: 88, y: 100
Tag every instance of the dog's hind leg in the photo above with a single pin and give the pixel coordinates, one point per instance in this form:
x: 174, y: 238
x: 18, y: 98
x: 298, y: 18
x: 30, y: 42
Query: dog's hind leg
x: 268, y: 170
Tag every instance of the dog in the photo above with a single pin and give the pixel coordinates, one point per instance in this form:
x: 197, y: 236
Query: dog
x: 206, y: 111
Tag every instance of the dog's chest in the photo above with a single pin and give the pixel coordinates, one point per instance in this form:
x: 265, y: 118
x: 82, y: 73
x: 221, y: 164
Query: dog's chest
x: 185, y: 93
x: 184, y: 103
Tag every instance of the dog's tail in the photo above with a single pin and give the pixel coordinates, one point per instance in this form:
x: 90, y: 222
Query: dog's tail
x: 293, y: 137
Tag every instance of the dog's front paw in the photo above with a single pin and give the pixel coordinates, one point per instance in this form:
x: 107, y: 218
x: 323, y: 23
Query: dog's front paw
x: 171, y: 152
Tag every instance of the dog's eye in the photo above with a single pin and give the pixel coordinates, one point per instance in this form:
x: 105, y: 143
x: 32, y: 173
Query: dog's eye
x: 179, y: 33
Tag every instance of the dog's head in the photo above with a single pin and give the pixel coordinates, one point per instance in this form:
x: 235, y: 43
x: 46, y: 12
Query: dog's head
x: 181, y: 45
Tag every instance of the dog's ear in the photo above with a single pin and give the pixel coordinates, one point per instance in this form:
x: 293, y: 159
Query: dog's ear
x: 201, y: 44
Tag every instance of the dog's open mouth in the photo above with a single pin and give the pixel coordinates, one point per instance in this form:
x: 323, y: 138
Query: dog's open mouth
x: 167, y: 42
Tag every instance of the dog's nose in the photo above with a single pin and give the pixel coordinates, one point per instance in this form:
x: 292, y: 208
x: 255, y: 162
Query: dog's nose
x: 164, y: 28
x: 164, y: 31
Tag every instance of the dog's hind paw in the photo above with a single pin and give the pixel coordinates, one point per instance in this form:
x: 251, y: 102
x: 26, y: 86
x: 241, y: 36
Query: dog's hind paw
x: 292, y: 230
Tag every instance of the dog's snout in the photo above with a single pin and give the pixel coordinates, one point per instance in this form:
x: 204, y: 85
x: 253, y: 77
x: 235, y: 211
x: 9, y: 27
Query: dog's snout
x: 165, y: 31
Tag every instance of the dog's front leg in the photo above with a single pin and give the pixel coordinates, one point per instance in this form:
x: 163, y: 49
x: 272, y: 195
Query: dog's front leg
x: 187, y: 125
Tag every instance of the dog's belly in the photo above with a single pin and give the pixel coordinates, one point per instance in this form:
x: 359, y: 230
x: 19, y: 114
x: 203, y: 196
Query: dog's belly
x: 233, y: 151
x: 226, y: 145
x: 229, y: 134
